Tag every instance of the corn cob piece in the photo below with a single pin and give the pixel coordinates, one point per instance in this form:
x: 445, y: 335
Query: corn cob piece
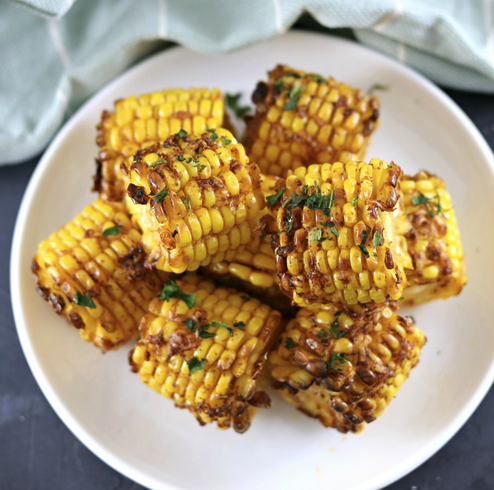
x: 196, y: 198
x: 433, y: 240
x: 207, y: 358
x: 337, y: 239
x: 344, y: 367
x: 138, y: 122
x: 302, y: 118
x: 92, y: 273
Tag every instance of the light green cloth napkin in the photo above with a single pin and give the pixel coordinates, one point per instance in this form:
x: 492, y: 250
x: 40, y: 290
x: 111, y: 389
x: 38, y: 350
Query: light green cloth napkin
x: 56, y: 53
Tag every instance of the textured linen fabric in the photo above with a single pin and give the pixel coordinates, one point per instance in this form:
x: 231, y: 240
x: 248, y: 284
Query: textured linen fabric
x: 55, y: 53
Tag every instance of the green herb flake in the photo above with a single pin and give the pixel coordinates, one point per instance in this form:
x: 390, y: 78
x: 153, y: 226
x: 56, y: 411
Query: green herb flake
x: 354, y: 201
x: 337, y: 358
x: 290, y: 344
x: 332, y: 227
x: 377, y: 239
x: 239, y: 325
x: 175, y: 233
x: 210, y: 130
x: 160, y: 197
x: 316, y: 235
x: 263, y: 236
x: 180, y: 158
x: 362, y: 246
x: 402, y: 298
x: 225, y: 141
x: 272, y: 200
x: 82, y: 300
x: 204, y: 334
x: 413, y: 319
x: 432, y: 205
x: 172, y: 290
x: 190, y: 324
x: 223, y: 325
x: 334, y: 330
x: 202, y: 167
x: 377, y: 86
x: 321, y: 333
x: 246, y: 298
x: 181, y: 134
x: 294, y: 95
x: 140, y: 192
x: 195, y: 365
x: 232, y: 103
x: 161, y: 161
x: 213, y: 137
x: 113, y: 231
x: 189, y: 205
x: 318, y: 78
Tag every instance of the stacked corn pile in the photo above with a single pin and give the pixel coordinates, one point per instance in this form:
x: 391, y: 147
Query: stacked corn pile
x: 307, y: 249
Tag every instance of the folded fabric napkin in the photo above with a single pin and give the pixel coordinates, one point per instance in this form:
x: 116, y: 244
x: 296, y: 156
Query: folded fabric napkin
x: 56, y: 53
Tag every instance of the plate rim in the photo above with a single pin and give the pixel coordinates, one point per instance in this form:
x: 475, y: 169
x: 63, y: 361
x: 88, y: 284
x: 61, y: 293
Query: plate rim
x: 406, y: 465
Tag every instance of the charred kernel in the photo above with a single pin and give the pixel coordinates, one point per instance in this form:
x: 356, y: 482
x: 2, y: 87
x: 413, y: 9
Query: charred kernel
x: 318, y: 369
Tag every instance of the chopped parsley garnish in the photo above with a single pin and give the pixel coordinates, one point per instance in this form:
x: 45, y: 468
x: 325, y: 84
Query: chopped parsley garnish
x: 195, y: 365
x: 334, y: 330
x: 211, y: 130
x: 279, y: 84
x: 82, y: 300
x: 402, y: 298
x: 161, y: 195
x: 263, y: 236
x: 290, y: 344
x: 223, y: 325
x: 204, y: 334
x: 272, y: 200
x: 140, y: 192
x: 175, y: 233
x: 239, y: 325
x: 316, y: 235
x: 432, y: 205
x: 389, y: 166
x: 181, y: 134
x: 318, y: 78
x: 189, y: 205
x: 354, y: 201
x: 362, y: 246
x: 225, y: 141
x: 172, y: 290
x: 190, y: 324
x: 232, y: 103
x: 158, y: 162
x: 413, y: 319
x: 288, y: 226
x: 337, y: 358
x: 294, y: 95
x: 377, y: 86
x: 246, y: 298
x: 321, y: 333
x: 180, y: 158
x: 331, y: 226
x: 213, y: 137
x: 113, y: 231
x: 377, y: 239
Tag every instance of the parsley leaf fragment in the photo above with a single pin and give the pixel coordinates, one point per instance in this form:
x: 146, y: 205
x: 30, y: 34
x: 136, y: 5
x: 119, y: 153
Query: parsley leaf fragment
x: 354, y: 201
x: 223, y: 325
x: 82, y: 300
x: 290, y: 344
x: 112, y: 231
x: 181, y: 134
x: 272, y: 200
x: 232, y: 102
x: 172, y: 290
x: 362, y: 246
x: 140, y: 192
x: 239, y: 325
x: 337, y: 358
x: 377, y: 86
x: 190, y: 324
x: 225, y: 141
x: 175, y: 233
x: 377, y: 239
x: 316, y: 235
x: 161, y: 195
x: 194, y: 365
x: 294, y: 95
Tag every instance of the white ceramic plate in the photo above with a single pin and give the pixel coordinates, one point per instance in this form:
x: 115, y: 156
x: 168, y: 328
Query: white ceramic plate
x: 140, y: 433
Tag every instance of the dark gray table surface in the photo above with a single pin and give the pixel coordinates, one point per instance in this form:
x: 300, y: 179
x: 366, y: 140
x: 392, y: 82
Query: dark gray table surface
x: 38, y: 452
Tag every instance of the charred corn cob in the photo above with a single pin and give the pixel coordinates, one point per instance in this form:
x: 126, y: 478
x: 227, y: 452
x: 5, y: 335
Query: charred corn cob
x: 344, y: 367
x: 337, y: 239
x: 302, y: 118
x: 196, y: 198
x: 92, y: 273
x: 205, y: 348
x: 138, y: 122
x: 433, y: 240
